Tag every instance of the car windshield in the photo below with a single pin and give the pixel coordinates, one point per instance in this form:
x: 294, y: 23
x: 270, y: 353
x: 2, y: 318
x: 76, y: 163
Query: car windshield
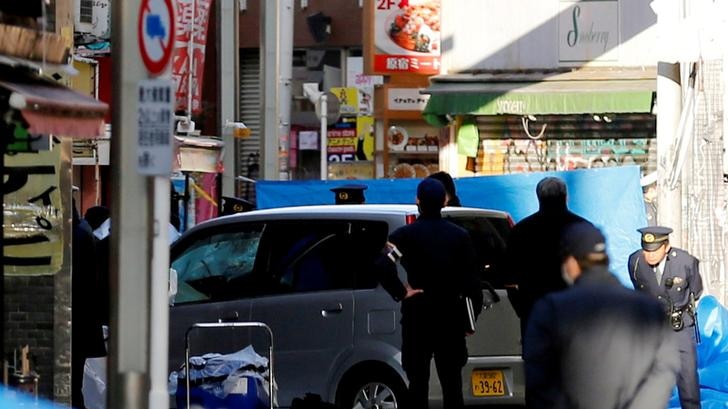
x: 208, y: 265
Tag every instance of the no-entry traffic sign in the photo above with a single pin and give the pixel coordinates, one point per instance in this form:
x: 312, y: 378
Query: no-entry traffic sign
x: 155, y: 31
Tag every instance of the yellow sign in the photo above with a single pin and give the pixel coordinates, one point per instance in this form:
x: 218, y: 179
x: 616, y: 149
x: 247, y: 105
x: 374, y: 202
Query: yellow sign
x: 33, y: 224
x: 348, y: 99
x: 365, y: 138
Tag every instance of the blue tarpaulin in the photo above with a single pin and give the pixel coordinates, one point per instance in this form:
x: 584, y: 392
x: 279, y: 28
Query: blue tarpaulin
x: 611, y: 198
x: 712, y: 355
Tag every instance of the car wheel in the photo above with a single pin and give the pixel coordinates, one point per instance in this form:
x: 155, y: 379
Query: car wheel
x: 372, y: 392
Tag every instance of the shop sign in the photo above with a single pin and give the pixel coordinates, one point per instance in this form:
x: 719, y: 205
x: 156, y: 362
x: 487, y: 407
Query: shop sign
x: 341, y: 144
x: 365, y: 138
x: 406, y: 36
x: 33, y: 221
x: 406, y: 99
x: 588, y: 30
x: 197, y: 34
x: 355, y: 77
x: 348, y: 100
x: 308, y: 140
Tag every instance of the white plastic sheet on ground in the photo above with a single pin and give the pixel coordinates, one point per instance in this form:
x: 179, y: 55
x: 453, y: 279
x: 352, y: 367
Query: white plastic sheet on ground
x: 93, y: 386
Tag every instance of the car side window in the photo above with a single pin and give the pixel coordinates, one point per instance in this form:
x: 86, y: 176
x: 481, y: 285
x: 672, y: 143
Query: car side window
x: 490, y: 245
x: 215, y: 266
x: 321, y: 255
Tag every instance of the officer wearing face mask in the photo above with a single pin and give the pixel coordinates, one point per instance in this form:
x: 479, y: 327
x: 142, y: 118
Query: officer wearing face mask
x: 672, y: 276
x: 597, y: 344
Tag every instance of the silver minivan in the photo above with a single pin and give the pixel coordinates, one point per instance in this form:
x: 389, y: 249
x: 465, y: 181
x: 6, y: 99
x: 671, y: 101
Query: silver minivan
x: 308, y: 273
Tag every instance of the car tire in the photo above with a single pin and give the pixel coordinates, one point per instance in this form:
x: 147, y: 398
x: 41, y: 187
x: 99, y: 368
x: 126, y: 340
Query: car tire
x: 372, y: 391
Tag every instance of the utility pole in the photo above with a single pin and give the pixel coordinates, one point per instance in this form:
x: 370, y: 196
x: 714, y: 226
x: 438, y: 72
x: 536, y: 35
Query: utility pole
x: 228, y: 53
x: 141, y: 162
x: 129, y: 259
x: 270, y: 73
x: 669, y: 109
x: 276, y: 71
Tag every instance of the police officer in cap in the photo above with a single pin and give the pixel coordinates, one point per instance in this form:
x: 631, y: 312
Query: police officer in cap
x: 349, y: 194
x: 672, y: 276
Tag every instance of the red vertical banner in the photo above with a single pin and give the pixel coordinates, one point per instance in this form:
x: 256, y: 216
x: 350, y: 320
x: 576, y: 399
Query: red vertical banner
x: 185, y: 33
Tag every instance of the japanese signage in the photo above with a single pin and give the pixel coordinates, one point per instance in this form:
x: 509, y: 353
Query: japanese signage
x: 181, y: 56
x: 588, y: 30
x: 406, y: 36
x: 406, y: 99
x: 342, y: 141
x: 32, y: 227
x: 355, y: 77
x: 155, y: 119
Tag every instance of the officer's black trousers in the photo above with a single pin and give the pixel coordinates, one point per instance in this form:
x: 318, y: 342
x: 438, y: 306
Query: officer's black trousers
x: 419, y: 344
x: 688, y: 387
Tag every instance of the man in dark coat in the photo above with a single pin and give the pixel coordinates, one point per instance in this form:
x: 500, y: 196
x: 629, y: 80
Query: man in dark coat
x: 99, y: 218
x: 672, y: 276
x: 440, y: 262
x: 597, y: 345
x: 87, y: 338
x: 532, y: 255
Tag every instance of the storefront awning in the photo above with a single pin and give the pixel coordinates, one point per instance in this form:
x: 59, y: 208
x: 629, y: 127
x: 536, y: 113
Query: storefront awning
x: 459, y: 95
x: 50, y: 108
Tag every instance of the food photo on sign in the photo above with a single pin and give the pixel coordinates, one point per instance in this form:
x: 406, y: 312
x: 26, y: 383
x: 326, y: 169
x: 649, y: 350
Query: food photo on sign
x: 407, y: 36
x: 416, y: 27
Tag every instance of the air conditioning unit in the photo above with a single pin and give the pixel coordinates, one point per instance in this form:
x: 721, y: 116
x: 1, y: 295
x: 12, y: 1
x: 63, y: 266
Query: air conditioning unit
x: 93, y: 17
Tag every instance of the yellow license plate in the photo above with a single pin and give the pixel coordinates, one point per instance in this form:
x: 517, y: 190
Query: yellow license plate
x: 487, y: 383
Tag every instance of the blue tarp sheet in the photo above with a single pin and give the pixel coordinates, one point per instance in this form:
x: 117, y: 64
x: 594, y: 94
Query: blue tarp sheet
x: 611, y: 198
x: 712, y: 355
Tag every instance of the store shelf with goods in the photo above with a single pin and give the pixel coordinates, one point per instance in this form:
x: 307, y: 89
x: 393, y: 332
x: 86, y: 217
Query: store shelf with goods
x: 412, y: 149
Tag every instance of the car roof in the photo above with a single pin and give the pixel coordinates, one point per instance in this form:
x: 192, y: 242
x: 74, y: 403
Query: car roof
x: 347, y: 211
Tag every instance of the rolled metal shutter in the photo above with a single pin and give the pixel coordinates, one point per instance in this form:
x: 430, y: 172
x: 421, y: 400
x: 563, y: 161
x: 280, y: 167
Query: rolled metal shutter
x: 249, y: 147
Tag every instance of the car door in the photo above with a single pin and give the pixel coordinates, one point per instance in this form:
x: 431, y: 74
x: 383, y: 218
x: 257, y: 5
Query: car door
x: 495, y: 370
x: 309, y: 306
x: 216, y: 276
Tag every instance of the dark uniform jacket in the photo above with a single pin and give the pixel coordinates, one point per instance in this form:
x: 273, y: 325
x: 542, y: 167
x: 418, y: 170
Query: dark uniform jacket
x: 439, y: 259
x: 680, y: 277
x: 599, y: 345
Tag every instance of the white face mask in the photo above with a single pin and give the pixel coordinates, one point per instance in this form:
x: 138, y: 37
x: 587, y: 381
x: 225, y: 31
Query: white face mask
x: 567, y: 278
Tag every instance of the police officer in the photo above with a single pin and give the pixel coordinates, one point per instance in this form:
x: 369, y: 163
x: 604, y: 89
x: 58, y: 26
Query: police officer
x: 672, y: 276
x: 349, y: 194
x: 441, y: 267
